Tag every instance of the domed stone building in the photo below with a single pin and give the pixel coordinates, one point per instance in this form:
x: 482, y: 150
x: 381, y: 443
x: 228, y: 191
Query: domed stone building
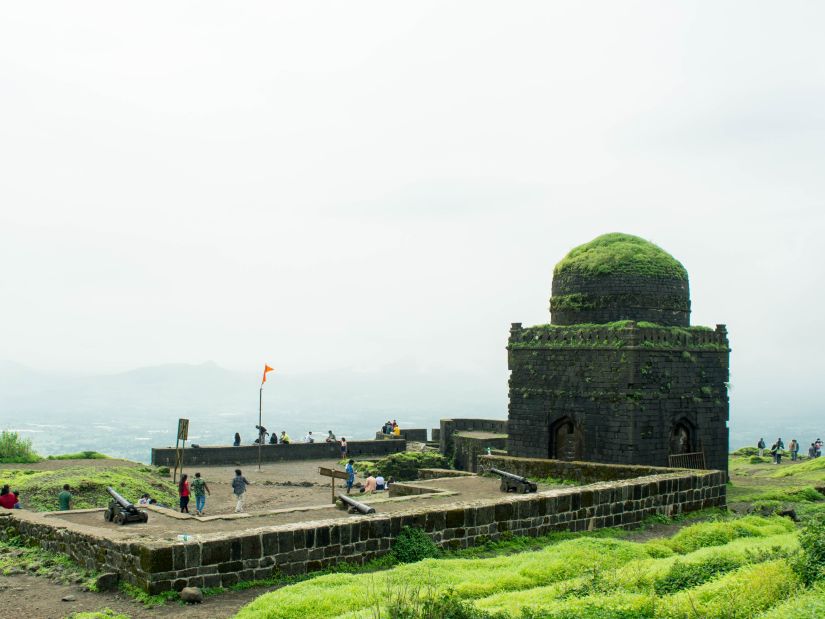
x: 619, y: 375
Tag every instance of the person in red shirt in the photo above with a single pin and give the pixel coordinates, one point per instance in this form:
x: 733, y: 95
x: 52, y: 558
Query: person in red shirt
x: 8, y: 499
x: 183, y: 490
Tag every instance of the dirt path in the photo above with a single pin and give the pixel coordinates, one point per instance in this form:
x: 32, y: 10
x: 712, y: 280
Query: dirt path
x: 40, y: 598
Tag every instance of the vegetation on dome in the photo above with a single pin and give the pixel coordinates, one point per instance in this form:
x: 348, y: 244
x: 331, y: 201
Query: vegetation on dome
x: 616, y: 253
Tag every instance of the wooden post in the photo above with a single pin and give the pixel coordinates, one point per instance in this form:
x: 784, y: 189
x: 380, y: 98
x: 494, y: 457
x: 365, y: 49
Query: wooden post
x: 180, y: 445
x: 333, y: 474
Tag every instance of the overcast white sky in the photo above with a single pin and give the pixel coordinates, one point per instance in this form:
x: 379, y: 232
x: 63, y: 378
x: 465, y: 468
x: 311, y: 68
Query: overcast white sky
x: 325, y: 185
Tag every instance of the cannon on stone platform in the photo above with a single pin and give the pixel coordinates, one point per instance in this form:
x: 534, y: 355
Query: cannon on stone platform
x: 514, y: 483
x: 121, y: 511
x: 355, y: 506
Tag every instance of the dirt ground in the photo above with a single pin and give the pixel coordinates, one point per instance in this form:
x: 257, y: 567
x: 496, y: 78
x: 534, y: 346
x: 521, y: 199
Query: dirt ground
x: 269, y: 502
x: 35, y: 597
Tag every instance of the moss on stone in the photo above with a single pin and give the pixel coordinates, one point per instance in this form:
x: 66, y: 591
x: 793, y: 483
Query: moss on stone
x: 616, y: 253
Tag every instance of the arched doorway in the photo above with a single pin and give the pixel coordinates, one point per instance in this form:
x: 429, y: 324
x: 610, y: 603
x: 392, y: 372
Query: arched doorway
x: 681, y: 439
x: 565, y: 440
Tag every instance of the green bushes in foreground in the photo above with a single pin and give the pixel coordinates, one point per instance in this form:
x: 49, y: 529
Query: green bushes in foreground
x: 810, y: 563
x: 581, y: 577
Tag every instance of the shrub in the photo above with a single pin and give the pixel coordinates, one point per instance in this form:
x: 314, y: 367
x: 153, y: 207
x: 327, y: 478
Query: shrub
x: 718, y: 533
x: 402, y: 466
x: 80, y: 455
x: 809, y: 564
x: 746, y: 451
x: 685, y: 575
x: 408, y: 603
x: 757, y: 460
x: 413, y: 545
x: 14, y: 449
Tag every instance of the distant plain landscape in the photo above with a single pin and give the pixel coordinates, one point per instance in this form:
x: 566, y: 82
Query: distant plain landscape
x: 126, y: 414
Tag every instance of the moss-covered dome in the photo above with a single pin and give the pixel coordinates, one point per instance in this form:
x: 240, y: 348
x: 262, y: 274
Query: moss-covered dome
x: 620, y: 277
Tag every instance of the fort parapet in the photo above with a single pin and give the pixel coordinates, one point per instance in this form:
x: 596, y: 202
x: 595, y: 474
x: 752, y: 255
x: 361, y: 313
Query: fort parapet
x: 248, y: 454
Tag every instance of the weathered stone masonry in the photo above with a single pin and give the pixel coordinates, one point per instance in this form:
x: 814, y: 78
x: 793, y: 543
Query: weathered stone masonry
x: 225, y: 559
x: 619, y: 375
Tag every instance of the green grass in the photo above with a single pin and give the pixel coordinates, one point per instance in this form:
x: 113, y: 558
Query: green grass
x: 499, y: 583
x: 16, y: 450
x: 616, y: 253
x: 80, y: 455
x: 14, y: 555
x: 803, y: 604
x: 39, y: 489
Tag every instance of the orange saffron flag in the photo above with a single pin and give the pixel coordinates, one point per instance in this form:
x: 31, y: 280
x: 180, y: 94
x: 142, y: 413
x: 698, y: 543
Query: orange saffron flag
x: 266, y: 369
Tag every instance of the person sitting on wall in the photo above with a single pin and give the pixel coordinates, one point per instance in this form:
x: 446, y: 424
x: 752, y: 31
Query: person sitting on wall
x: 273, y: 438
x: 284, y: 438
x: 379, y: 483
x: 237, y: 442
x: 144, y: 500
x: 309, y: 438
x: 331, y: 437
x: 369, y: 484
x: 396, y: 430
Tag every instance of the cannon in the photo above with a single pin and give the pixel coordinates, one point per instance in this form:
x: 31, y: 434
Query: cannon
x: 356, y: 506
x: 514, y: 483
x: 121, y: 511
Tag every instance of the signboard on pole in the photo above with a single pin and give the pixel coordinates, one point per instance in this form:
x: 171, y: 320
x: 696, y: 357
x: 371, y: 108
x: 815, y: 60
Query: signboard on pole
x: 183, y: 429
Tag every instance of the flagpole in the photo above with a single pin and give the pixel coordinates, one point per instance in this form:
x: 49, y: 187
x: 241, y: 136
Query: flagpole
x: 260, y: 424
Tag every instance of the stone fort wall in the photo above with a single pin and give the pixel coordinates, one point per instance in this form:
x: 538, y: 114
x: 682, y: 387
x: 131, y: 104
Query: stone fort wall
x: 224, y: 559
x: 248, y: 454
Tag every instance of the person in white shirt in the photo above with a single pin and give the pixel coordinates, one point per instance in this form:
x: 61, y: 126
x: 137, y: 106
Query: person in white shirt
x: 379, y: 483
x: 309, y: 438
x: 144, y: 500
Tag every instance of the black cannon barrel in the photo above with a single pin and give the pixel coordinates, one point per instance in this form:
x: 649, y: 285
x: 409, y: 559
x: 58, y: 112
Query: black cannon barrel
x: 501, y: 473
x: 361, y: 507
x: 117, y: 497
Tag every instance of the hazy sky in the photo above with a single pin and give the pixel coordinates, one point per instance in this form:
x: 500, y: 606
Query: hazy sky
x: 326, y: 185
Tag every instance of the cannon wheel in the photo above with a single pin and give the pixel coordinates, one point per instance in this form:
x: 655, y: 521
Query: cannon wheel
x: 145, y: 517
x: 118, y: 519
x: 107, y: 515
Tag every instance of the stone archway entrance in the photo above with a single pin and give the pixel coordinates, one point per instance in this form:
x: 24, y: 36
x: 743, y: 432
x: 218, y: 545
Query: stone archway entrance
x: 680, y: 439
x: 565, y: 440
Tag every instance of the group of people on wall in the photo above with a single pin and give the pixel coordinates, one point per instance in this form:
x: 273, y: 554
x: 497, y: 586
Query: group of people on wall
x: 283, y: 439
x: 391, y: 427
x: 777, y: 449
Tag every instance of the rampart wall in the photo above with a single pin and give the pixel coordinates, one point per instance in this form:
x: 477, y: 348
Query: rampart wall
x: 223, y: 559
x: 248, y: 454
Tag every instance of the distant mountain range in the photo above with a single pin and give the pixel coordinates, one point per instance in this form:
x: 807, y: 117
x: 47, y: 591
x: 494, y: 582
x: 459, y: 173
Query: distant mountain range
x: 221, y: 401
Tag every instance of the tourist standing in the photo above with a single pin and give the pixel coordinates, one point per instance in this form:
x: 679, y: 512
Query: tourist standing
x: 794, y: 449
x: 237, y: 442
x: 343, y: 447
x: 200, y: 489
x: 239, y: 484
x: 761, y: 447
x: 812, y: 451
x: 818, y: 445
x: 65, y: 499
x: 183, y: 492
x: 350, y: 469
